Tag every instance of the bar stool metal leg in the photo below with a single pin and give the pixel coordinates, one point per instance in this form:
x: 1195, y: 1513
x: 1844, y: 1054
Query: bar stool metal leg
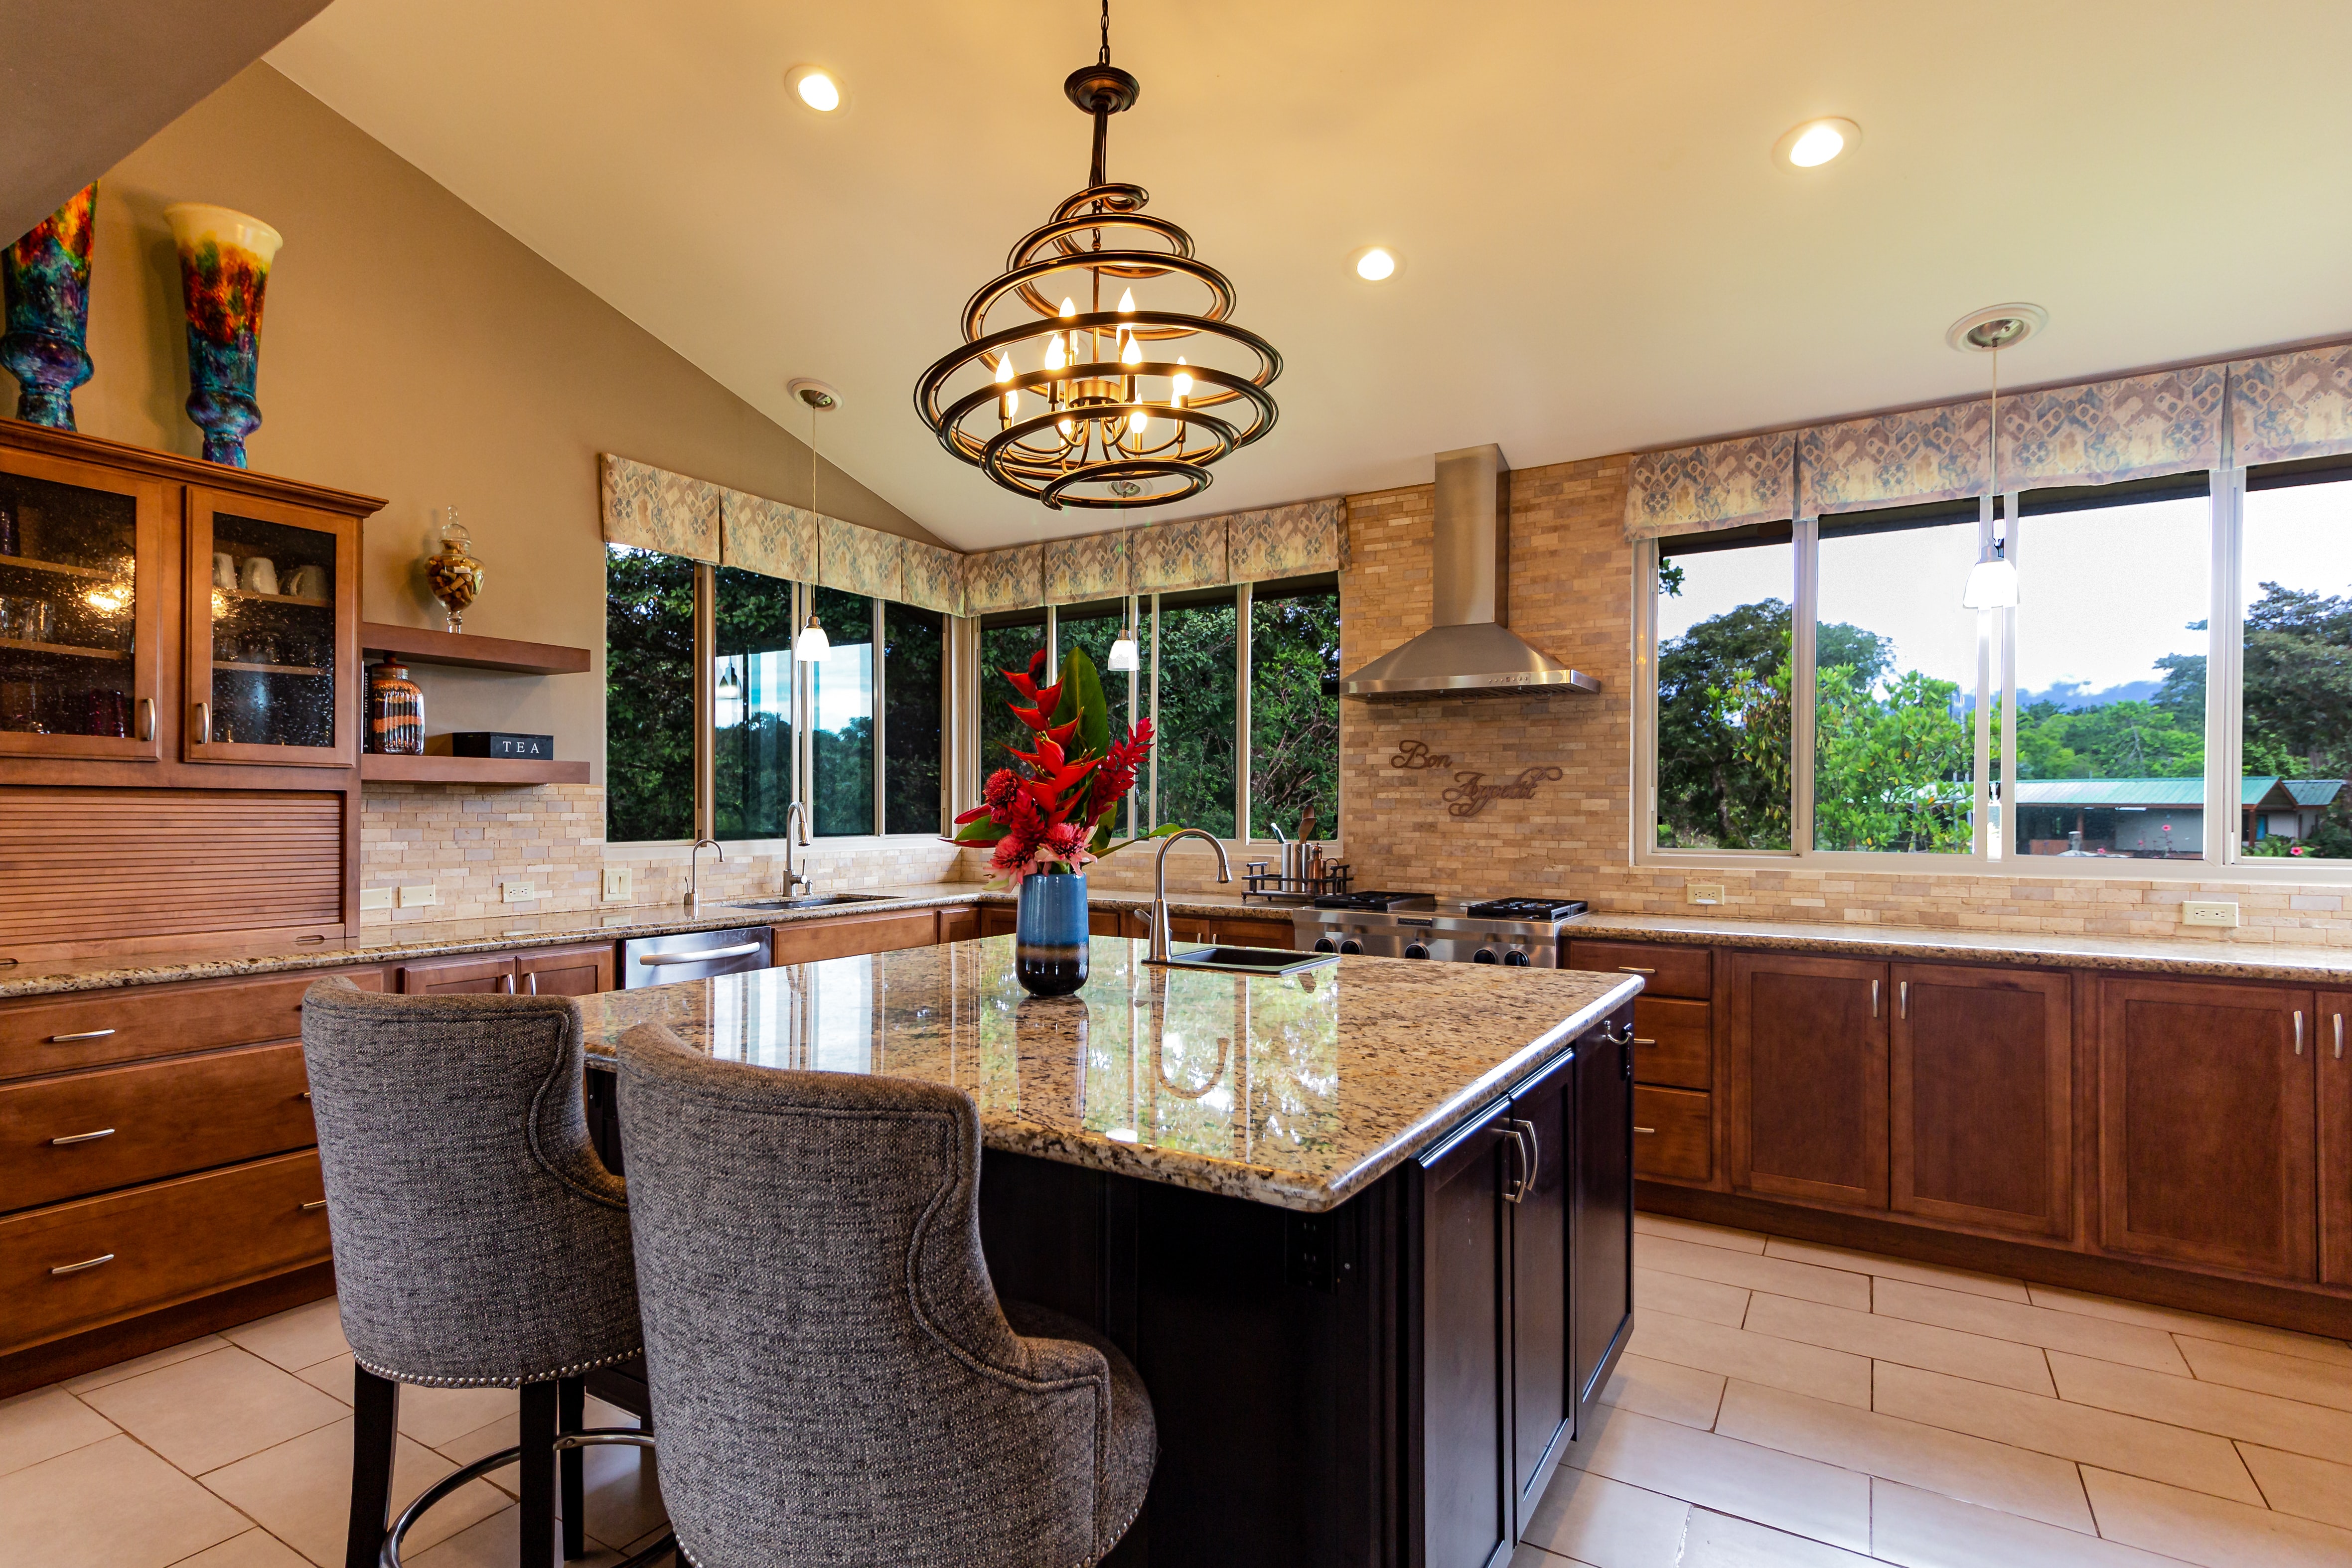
x: 375, y: 1431
x: 571, y: 1412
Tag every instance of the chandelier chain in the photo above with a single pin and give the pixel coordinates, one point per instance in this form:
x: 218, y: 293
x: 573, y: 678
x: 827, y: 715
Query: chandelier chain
x: 1103, y: 58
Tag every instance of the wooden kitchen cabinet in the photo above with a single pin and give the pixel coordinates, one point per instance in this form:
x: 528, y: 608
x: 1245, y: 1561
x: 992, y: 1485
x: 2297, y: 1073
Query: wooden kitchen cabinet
x: 1980, y: 1097
x: 847, y: 936
x: 2335, y: 1047
x: 1665, y: 970
x: 578, y: 970
x: 2208, y: 1125
x: 273, y: 663
x: 1672, y: 1043
x: 1805, y: 1047
x: 1674, y: 1135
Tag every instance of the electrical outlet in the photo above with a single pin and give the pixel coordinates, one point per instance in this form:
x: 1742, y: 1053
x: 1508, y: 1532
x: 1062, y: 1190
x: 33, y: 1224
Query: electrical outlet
x: 617, y: 882
x: 412, y: 898
x: 2207, y: 912
x: 375, y: 898
x: 1705, y: 892
x: 517, y: 893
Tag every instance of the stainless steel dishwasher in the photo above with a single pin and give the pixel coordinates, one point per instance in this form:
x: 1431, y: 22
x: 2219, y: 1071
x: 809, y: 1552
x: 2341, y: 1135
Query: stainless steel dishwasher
x: 692, y: 956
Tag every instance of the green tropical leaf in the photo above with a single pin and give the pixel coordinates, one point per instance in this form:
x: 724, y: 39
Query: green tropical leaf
x: 1082, y: 700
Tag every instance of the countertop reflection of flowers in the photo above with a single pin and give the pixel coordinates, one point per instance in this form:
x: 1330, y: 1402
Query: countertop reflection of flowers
x: 1050, y: 812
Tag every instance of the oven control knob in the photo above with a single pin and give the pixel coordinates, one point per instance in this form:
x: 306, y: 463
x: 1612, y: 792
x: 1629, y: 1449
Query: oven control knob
x: 1325, y: 944
x: 1515, y: 960
x: 1417, y: 950
x: 1351, y: 945
x: 1483, y: 955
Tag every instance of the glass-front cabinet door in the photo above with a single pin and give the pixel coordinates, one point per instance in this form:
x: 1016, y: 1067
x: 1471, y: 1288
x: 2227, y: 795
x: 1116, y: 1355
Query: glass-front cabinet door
x: 272, y: 620
x: 82, y: 595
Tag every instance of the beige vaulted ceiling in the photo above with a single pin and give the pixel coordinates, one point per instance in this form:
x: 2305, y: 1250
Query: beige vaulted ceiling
x: 1599, y: 252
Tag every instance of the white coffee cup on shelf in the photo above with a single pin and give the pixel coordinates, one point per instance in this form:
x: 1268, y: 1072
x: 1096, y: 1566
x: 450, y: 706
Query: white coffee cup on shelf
x: 257, y: 575
x: 307, y: 582
x: 224, y: 570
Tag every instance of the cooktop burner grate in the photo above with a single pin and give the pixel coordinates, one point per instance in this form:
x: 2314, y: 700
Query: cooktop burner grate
x: 1377, y: 901
x: 1527, y: 908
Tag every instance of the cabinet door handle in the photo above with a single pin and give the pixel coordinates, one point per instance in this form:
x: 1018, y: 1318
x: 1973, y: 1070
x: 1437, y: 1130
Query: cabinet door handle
x: 304, y: 1095
x: 506, y: 984
x: 1873, y: 998
x: 1639, y: 1040
x: 146, y: 719
x: 533, y: 978
x: 314, y: 1207
x: 1645, y: 1129
x: 1903, y: 998
x: 203, y: 724
x: 86, y: 1034
x: 64, y: 1269
x: 1633, y: 969
x: 81, y: 1138
x: 2339, y: 1037
x: 2298, y: 1031
x: 1525, y: 1178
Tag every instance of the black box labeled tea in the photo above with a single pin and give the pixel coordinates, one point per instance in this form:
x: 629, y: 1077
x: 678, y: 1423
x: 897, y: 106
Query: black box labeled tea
x: 497, y: 742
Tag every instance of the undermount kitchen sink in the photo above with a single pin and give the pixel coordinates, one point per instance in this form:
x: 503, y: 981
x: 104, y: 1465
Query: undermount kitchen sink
x: 807, y: 901
x: 1252, y: 960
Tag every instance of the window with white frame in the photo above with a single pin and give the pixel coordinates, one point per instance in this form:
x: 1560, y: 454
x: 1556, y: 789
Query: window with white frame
x: 2175, y: 682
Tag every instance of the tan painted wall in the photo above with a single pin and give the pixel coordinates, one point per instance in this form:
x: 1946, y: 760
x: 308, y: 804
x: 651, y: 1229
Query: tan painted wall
x: 412, y: 349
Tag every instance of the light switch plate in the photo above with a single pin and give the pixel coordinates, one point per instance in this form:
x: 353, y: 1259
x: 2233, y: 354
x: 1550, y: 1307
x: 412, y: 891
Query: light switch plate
x: 616, y: 882
x: 2207, y: 912
x: 411, y: 897
x: 1705, y: 892
x: 517, y: 893
x: 375, y: 898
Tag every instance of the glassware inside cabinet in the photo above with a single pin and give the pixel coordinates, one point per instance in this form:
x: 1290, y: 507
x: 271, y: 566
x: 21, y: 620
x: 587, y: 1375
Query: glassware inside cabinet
x: 68, y: 608
x: 273, y: 609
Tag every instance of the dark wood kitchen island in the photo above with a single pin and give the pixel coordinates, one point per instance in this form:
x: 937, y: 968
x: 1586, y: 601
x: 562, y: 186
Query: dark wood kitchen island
x: 1365, y: 1229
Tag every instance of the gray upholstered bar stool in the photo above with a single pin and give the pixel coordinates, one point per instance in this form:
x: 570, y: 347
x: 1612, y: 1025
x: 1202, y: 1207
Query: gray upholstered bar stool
x: 479, y: 1240
x: 832, y: 1377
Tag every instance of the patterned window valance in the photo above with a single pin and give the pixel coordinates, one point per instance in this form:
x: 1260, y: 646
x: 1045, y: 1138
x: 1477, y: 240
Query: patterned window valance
x: 2291, y: 405
x: 858, y: 560
x: 1170, y: 558
x: 1722, y: 485
x: 1893, y: 459
x: 933, y: 578
x: 997, y: 579
x: 1092, y: 566
x: 1287, y: 541
x: 652, y: 509
x: 764, y: 536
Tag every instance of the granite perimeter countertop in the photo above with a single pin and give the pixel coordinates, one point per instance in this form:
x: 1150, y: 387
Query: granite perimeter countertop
x: 2218, y: 958
x: 446, y: 938
x: 1298, y: 1091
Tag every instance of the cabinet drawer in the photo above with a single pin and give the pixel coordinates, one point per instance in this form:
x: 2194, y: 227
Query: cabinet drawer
x: 1674, y: 1134
x: 139, y: 1021
x: 579, y: 970
x: 997, y: 919
x: 959, y: 924
x: 1670, y: 1044
x: 164, y: 1244
x: 842, y: 936
x: 1664, y: 971
x: 190, y: 1113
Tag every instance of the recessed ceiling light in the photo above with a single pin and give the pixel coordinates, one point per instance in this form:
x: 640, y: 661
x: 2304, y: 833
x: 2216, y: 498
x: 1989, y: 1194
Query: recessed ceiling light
x: 1996, y: 327
x: 816, y: 87
x: 1816, y: 142
x: 1375, y: 264
x: 821, y: 396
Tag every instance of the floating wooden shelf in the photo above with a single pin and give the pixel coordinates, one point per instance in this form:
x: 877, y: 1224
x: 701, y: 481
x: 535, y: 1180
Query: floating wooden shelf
x: 73, y: 649
x: 30, y: 564
x: 269, y: 669
x: 419, y: 646
x: 468, y: 770
x: 274, y: 597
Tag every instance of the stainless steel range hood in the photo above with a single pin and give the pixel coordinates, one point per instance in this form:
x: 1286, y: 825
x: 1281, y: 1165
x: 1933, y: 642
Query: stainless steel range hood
x: 1468, y: 652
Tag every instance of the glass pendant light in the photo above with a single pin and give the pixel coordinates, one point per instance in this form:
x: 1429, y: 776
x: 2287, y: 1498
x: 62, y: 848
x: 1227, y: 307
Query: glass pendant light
x: 1992, y: 581
x: 811, y: 645
x: 1123, y: 652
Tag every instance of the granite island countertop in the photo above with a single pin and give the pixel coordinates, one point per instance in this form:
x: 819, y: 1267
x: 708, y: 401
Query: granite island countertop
x: 1298, y: 1091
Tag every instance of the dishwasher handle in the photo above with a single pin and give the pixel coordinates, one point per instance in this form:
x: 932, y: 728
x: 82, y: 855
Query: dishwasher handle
x: 700, y: 955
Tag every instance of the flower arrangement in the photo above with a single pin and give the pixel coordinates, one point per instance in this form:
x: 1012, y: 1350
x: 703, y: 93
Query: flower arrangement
x: 1050, y: 814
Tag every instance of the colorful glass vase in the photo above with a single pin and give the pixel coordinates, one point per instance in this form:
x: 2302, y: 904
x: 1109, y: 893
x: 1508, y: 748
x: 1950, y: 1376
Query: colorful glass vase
x: 453, y: 574
x: 224, y: 260
x: 45, y: 277
x: 1049, y: 933
x: 395, y: 712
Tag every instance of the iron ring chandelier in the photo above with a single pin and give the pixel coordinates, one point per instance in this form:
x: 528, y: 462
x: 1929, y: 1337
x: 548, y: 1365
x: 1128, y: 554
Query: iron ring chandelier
x: 1101, y: 407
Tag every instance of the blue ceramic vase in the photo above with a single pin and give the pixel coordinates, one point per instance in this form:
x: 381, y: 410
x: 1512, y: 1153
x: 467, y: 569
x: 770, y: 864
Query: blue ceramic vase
x: 45, y: 277
x: 1049, y: 935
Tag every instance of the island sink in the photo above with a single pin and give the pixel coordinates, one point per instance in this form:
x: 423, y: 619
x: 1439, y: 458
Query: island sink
x: 806, y: 901
x: 1252, y: 960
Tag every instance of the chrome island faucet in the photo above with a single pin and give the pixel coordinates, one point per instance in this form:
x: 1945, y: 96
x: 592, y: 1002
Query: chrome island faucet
x: 795, y: 812
x: 693, y: 874
x: 1158, y: 951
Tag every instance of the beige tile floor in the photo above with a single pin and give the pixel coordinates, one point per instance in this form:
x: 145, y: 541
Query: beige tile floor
x: 1781, y: 1404
x: 235, y: 1451
x: 1784, y: 1404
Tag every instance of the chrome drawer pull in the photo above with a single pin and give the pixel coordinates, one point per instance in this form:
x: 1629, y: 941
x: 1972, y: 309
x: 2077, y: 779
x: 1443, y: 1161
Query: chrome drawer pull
x: 304, y: 1095
x: 1639, y: 1040
x: 2298, y: 1031
x: 2339, y: 1037
x: 1645, y: 1129
x: 82, y: 1138
x: 1903, y: 998
x: 314, y: 1207
x: 1633, y: 969
x: 78, y: 1268
x: 86, y: 1034
x: 702, y: 956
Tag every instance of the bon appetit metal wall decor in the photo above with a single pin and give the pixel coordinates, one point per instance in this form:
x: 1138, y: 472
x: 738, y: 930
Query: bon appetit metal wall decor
x: 1470, y: 792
